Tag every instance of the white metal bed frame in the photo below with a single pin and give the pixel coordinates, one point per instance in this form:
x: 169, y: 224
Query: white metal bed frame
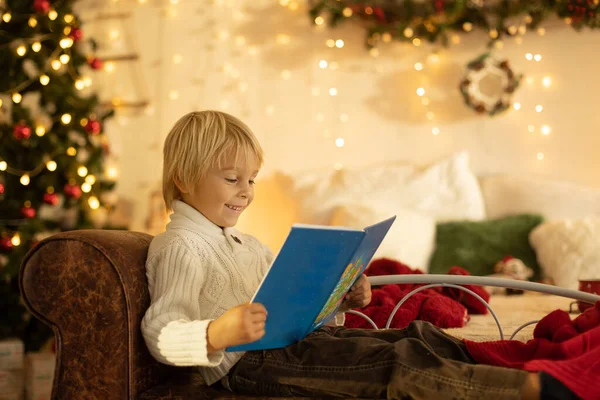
x: 455, y: 281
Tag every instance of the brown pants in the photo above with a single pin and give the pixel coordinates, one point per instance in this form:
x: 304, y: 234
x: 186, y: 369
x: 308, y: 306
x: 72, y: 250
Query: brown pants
x: 418, y: 362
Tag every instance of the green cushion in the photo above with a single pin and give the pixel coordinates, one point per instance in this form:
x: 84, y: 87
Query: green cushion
x: 478, y: 246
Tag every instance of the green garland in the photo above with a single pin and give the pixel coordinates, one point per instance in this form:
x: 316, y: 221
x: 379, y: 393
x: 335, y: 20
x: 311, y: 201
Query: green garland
x: 434, y: 20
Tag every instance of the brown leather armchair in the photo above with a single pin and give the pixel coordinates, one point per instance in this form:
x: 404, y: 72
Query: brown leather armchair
x: 90, y: 287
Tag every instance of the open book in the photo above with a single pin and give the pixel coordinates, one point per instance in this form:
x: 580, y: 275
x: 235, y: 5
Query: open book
x: 309, y: 278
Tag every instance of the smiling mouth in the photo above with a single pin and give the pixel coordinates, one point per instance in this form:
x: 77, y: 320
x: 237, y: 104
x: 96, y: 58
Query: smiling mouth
x: 234, y: 208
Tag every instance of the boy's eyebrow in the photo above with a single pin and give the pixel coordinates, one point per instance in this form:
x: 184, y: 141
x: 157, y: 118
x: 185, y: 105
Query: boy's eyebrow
x: 234, y: 169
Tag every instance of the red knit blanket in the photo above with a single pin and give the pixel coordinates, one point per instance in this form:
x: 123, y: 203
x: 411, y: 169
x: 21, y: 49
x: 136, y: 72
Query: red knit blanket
x: 443, y: 307
x: 568, y: 350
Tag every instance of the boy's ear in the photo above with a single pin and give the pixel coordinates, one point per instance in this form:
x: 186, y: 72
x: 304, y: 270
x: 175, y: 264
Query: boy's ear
x: 182, y: 188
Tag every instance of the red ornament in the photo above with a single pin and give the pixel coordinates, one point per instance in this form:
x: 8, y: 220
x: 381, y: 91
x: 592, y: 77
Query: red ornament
x: 28, y: 212
x: 51, y: 198
x: 1, y: 188
x: 41, y: 6
x: 95, y: 63
x: 73, y: 191
x: 379, y: 13
x: 76, y: 34
x: 6, y: 244
x: 21, y: 131
x: 93, y: 127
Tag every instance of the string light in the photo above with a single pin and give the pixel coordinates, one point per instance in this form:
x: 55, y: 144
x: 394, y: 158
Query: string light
x: 434, y: 58
x: 323, y: 64
x: 419, y: 66
x: 36, y: 47
x: 32, y: 22
x: 493, y: 33
x: 338, y: 166
x: 109, y: 66
x: 21, y: 50
x: 286, y: 74
x: 82, y: 171
x: 52, y: 15
x: 112, y: 173
x: 430, y: 115
x: 6, y: 17
x: 420, y: 92
x: 3, y: 165
x: 517, y: 106
x: 546, y: 130
x: 539, y: 108
x: 344, y: 118
x: 66, y: 119
x: 540, y: 156
x: 173, y: 95
x: 531, y: 128
x: 333, y: 65
x: 339, y: 142
x: 293, y: 6
x: 71, y: 151
x: 467, y: 26
x: 330, y: 43
x: 339, y: 43
x: 16, y: 98
x: 541, y: 31
x: 79, y: 84
x: 435, y: 130
x: 66, y: 43
x: 333, y: 91
x: 347, y: 12
x: 86, y: 187
x: 374, y: 52
x: 547, y: 81
x: 67, y: 30
x: 537, y: 57
x: 416, y: 42
x: 408, y: 32
x: 387, y: 37
x: 44, y: 79
x: 56, y: 64
x: 455, y: 39
x: 64, y: 58
x: 16, y: 240
x: 529, y: 56
x: 69, y: 18
x: 25, y: 180
x: 93, y: 202
x: 40, y: 130
x: 51, y: 165
x: 319, y: 20
x: 282, y: 38
x: 91, y: 179
x: 425, y: 101
x: 114, y: 34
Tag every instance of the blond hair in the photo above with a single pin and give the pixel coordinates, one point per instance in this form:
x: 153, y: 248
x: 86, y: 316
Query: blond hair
x: 200, y: 141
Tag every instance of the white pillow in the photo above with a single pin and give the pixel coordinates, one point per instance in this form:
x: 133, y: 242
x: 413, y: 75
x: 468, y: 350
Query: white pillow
x: 447, y: 190
x: 568, y: 250
x: 510, y: 195
x: 410, y: 239
x: 318, y: 193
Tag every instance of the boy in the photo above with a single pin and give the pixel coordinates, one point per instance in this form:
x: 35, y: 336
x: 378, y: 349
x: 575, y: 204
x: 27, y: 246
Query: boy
x: 202, y: 272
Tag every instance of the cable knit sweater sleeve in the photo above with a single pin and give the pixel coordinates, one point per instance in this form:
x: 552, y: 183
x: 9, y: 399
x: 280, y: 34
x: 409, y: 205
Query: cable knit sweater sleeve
x: 172, y: 327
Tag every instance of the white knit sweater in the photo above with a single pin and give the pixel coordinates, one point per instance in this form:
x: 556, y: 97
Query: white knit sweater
x: 196, y: 271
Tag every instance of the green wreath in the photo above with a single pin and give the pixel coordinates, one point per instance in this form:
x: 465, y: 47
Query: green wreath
x: 480, y: 68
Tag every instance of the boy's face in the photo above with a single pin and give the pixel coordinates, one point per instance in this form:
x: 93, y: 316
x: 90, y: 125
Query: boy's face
x: 224, y: 193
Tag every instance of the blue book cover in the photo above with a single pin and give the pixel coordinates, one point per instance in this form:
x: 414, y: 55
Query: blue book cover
x: 309, y: 278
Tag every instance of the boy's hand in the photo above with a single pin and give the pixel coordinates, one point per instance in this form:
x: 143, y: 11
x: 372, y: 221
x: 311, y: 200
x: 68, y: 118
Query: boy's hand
x: 359, y: 295
x: 241, y: 324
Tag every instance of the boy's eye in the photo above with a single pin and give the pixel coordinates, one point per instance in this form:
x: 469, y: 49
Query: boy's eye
x: 231, y: 180
x: 252, y: 182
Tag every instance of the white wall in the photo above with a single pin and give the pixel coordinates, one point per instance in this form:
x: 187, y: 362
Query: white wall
x: 232, y: 59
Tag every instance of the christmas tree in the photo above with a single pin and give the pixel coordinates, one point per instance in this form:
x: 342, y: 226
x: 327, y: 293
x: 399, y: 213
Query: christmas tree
x: 52, y: 145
